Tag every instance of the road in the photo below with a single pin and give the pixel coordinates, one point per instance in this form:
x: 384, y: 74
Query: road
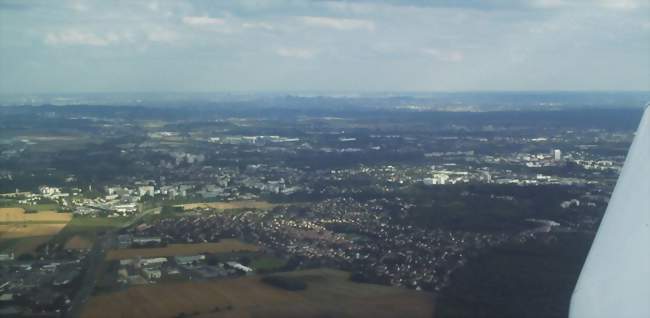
x: 93, y: 260
x: 139, y: 217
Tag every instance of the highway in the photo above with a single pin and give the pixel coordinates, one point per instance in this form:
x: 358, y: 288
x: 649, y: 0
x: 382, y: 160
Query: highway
x: 93, y: 260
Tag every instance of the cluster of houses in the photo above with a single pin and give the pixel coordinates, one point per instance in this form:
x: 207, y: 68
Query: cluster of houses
x: 251, y: 140
x: 37, y: 288
x: 45, y: 193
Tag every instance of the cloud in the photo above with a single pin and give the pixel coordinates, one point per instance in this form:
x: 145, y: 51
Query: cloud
x: 257, y: 25
x: 338, y: 23
x: 202, y: 21
x: 586, y: 4
x: 549, y: 4
x: 448, y: 44
x: 645, y: 25
x: 162, y: 35
x: 77, y: 37
x: 487, y: 5
x: 15, y: 6
x: 452, y: 56
x: 467, y: 4
x: 153, y: 6
x: 300, y: 53
x: 79, y: 6
x: 621, y: 4
x: 87, y: 38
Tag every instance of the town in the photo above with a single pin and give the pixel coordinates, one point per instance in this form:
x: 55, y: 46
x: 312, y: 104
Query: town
x: 137, y: 201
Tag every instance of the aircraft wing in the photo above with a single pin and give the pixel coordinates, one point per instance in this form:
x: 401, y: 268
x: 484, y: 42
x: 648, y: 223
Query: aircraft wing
x: 615, y: 279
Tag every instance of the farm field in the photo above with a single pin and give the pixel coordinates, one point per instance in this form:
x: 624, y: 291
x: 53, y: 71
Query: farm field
x: 6, y: 203
x: 223, y: 246
x: 78, y: 242
x: 249, y: 204
x: 329, y: 293
x: 18, y: 215
x: 25, y: 232
x: 52, y: 143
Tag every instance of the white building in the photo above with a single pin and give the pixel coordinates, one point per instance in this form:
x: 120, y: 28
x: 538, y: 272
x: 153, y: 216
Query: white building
x: 437, y: 178
x: 51, y: 192
x: 570, y: 203
x: 557, y: 154
x: 185, y: 260
x: 146, y: 190
x: 126, y: 208
x: 150, y: 273
x: 7, y: 256
x: 146, y: 240
x: 114, y: 190
x: 240, y: 267
x: 154, y: 261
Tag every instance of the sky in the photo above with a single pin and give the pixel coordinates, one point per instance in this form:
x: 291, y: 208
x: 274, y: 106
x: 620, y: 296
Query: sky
x: 283, y: 45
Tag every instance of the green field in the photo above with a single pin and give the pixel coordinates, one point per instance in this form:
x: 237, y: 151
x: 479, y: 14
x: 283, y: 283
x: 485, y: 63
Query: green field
x: 89, y: 227
x: 261, y: 262
x: 9, y: 243
x: 265, y: 263
x: 40, y: 207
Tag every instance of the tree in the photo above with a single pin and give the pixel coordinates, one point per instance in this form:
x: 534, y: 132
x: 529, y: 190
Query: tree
x: 287, y: 283
x: 26, y: 257
x: 212, y: 259
x: 245, y: 260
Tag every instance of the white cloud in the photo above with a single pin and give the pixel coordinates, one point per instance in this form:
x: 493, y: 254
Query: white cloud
x: 77, y: 37
x: 549, y: 3
x: 204, y: 20
x: 162, y: 35
x: 79, y: 6
x: 607, y: 4
x: 645, y: 25
x: 452, y: 56
x: 355, y: 7
x: 621, y: 4
x: 153, y: 6
x: 338, y: 23
x: 257, y: 25
x: 300, y: 53
x: 512, y: 41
